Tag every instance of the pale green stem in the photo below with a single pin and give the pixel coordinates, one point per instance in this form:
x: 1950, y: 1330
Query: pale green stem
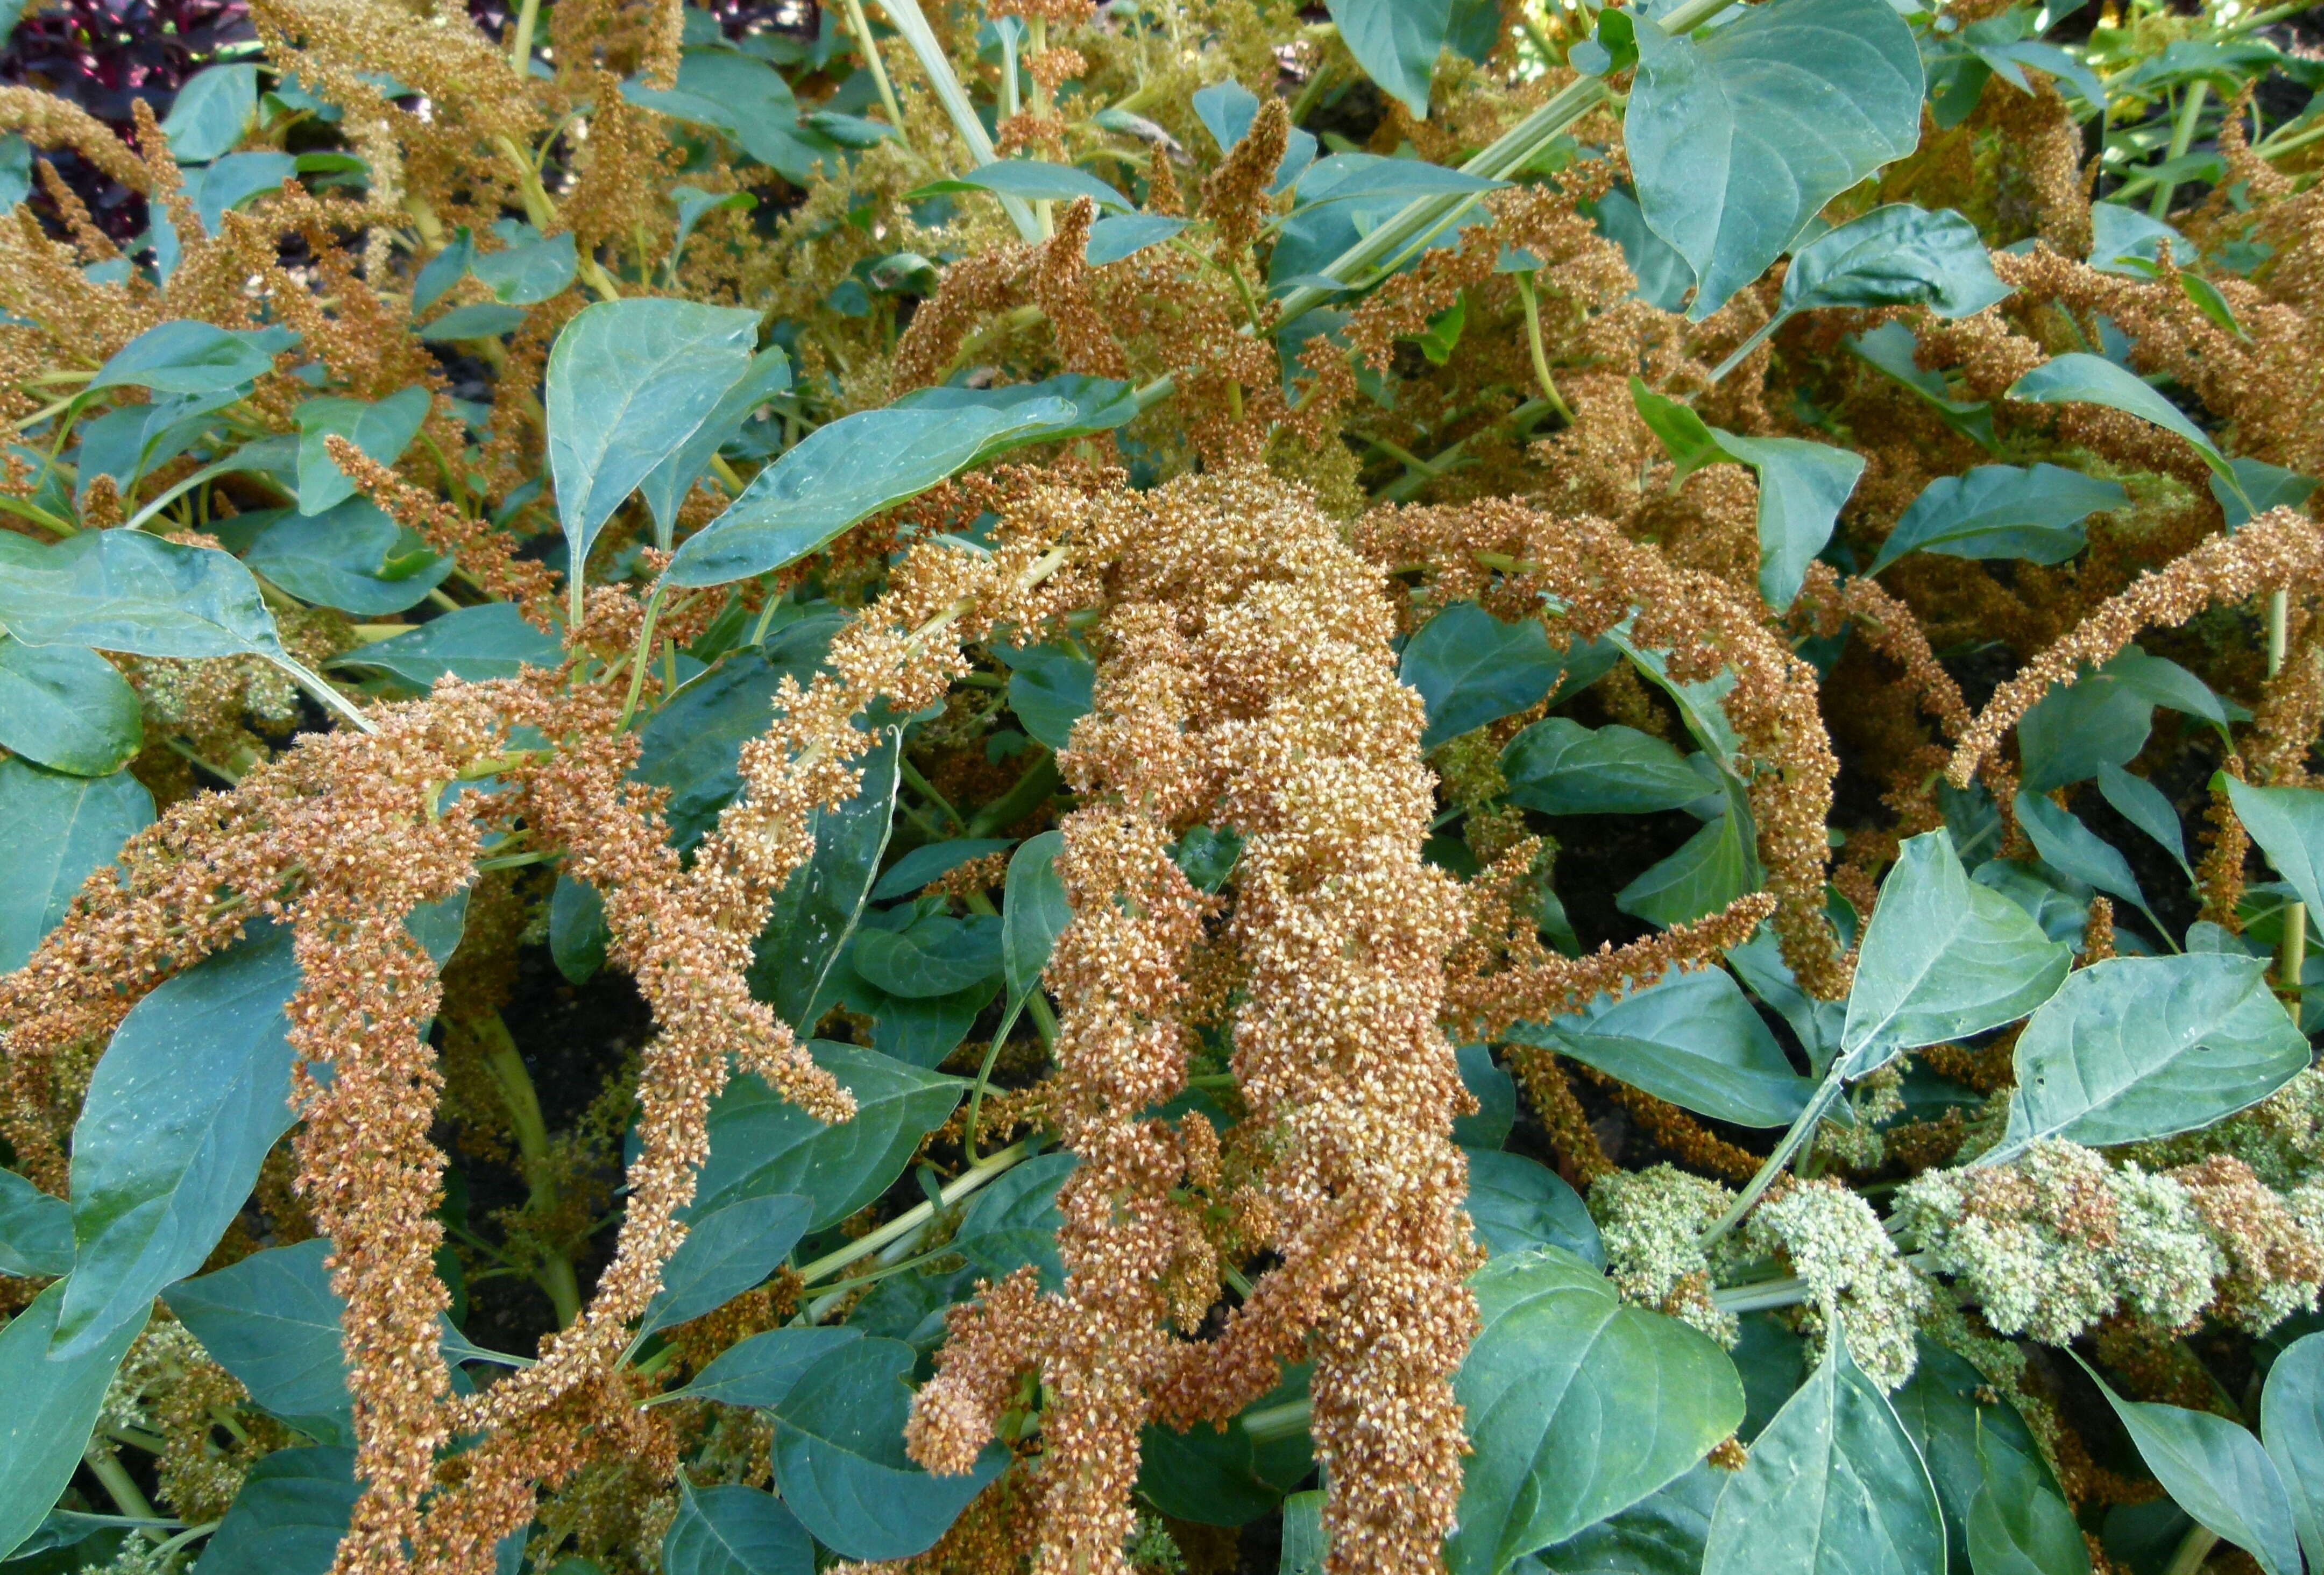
x: 2193, y: 1548
x: 1801, y: 1131
x: 860, y: 27
x: 906, y: 18
x: 914, y: 1218
x: 520, y: 47
x: 2182, y: 136
x: 510, y: 1076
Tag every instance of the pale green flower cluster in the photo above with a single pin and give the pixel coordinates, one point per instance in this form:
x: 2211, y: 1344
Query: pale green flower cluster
x: 1860, y: 1147
x: 160, y: 1355
x: 2057, y: 1239
x: 1834, y: 1242
x: 1649, y: 1221
x: 2281, y: 1137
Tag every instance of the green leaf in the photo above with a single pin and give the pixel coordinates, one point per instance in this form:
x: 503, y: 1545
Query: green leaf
x: 1738, y: 139
x: 1224, y: 1477
x: 759, y: 1371
x: 2288, y: 824
x: 629, y: 381
x: 182, y: 1108
x: 2102, y: 720
x: 1031, y: 180
x: 1470, y: 669
x: 665, y: 487
x: 211, y: 111
x: 1943, y: 958
x: 382, y: 430
x: 1050, y: 687
x: 847, y: 470
x: 1664, y: 276
x: 1690, y: 1038
x: 2264, y: 487
x: 67, y: 709
x: 474, y: 644
x: 1711, y: 869
x: 293, y: 1508
x: 1373, y: 178
x: 1890, y: 347
x: 125, y: 590
x: 2072, y: 849
x: 2143, y: 805
x: 577, y: 932
x: 1896, y: 256
x: 486, y: 319
x: 1691, y: 442
x: 54, y: 831
x: 1396, y: 42
x: 182, y: 357
x: 354, y: 557
x: 761, y: 1144
x: 930, y: 860
x: 1034, y: 912
x: 51, y: 1410
x: 1578, y: 1406
x: 531, y: 271
x: 1124, y: 235
x: 272, y: 1320
x: 1560, y: 767
x: 1100, y: 404
x: 446, y: 268
x: 1495, y: 1093
x: 1661, y: 1534
x: 2216, y: 1472
x: 2080, y: 379
x: 2018, y: 1525
x: 815, y: 912
x: 1305, y: 1545
x: 2141, y: 1047
x: 692, y: 746
x: 935, y: 955
x: 1515, y: 1203
x: 1834, y: 1486
x: 726, y: 1251
x: 839, y: 1457
x: 1963, y: 1431
x: 2292, y: 1428
x: 2033, y: 512
x: 1759, y: 963
x: 35, y: 1231
x: 735, y: 1531
x: 745, y: 98
x: 1802, y: 487
x: 1014, y: 1221
x: 234, y: 180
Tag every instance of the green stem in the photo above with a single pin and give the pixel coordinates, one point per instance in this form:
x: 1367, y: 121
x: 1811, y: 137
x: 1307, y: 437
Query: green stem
x: 1801, y: 1131
x: 860, y: 26
x: 314, y: 684
x: 510, y: 1076
x: 1758, y: 336
x: 927, y: 790
x: 1278, y: 1422
x: 520, y: 47
x: 2193, y: 1548
x: 118, y: 1485
x: 2182, y: 136
x: 1533, y: 343
x: 638, y: 659
x: 906, y: 18
x: 914, y: 1218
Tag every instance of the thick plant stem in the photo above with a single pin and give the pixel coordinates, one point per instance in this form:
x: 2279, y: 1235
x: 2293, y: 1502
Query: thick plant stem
x: 2291, y: 947
x: 910, y: 1221
x: 1801, y: 1131
x: 908, y: 19
x: 2182, y: 137
x: 860, y: 26
x: 555, y: 1275
x: 520, y: 46
x: 2193, y: 1550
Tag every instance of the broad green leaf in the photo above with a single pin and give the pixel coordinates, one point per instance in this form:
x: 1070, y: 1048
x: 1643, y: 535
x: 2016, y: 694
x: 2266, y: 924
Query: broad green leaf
x: 486, y: 319
x: 1495, y: 1093
x: 1014, y: 1221
x: 211, y: 111
x: 919, y: 1031
x: 1943, y: 958
x: 1033, y: 180
x: 16, y: 170
x: 382, y: 430
x: 735, y: 1531
x: 816, y: 912
x: 1710, y: 870
x: 2033, y: 512
x: 1470, y: 669
x: 234, y: 180
x: 531, y: 271
x: 2292, y: 1428
x: 1834, y: 1486
x: 474, y: 644
x: 2080, y: 379
x: 2018, y: 1524
x: 1661, y: 1534
x: 665, y: 487
x: 1890, y: 347
x: 180, y: 1112
x: 845, y: 471
x: 1560, y: 767
x: 272, y: 1320
x: 130, y: 443
x: 578, y: 935
x: 1225, y: 1477
x: 2264, y: 487
x: 2127, y: 241
x: 54, y: 831
x: 1374, y: 178
x: 289, y: 1517
x: 2216, y: 1472
x: 1963, y: 1429
x: 353, y: 557
x: 2143, y: 805
x: 51, y: 1410
x: 1396, y: 42
x: 1690, y: 440
x: 1100, y: 404
x: 125, y: 590
x: 839, y: 1457
x: 35, y: 1231
x: 1664, y: 276
x: 1690, y: 1038
x: 746, y: 99
x: 1802, y: 487
x: 67, y: 709
x: 692, y: 746
x: 759, y: 1371
x: 2141, y: 1047
x: 1896, y: 256
x: 1034, y: 912
x: 761, y: 1144
x: 629, y: 381
x: 935, y: 955
x: 1578, y: 1406
x: 1737, y: 140
x: 1515, y: 1203
x: 1759, y: 963
x: 446, y: 268
x: 1050, y: 687
x: 1306, y: 1543
x: 184, y: 357
x: 726, y: 1251
x: 2103, y: 719
x: 1228, y: 109
x: 1125, y: 235
x: 2070, y: 847
x: 2288, y: 824
x: 930, y: 860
